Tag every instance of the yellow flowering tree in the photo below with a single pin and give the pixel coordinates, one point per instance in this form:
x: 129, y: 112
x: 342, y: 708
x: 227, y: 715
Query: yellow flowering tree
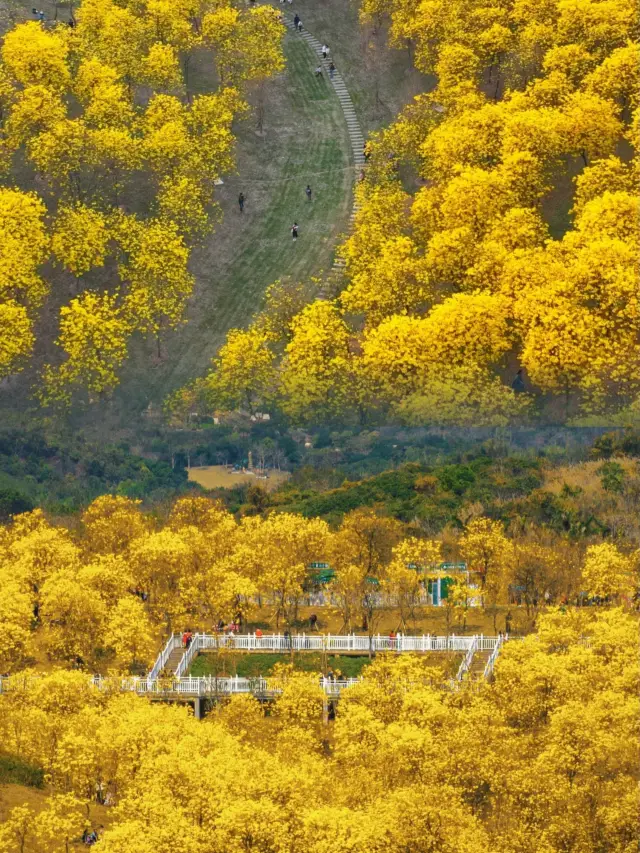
x: 91, y: 160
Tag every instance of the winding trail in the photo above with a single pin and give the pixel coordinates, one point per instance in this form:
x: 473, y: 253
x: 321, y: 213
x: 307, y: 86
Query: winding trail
x: 313, y: 135
x: 356, y: 138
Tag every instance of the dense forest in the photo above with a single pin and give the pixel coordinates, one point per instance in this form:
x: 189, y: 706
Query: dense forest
x: 375, y: 275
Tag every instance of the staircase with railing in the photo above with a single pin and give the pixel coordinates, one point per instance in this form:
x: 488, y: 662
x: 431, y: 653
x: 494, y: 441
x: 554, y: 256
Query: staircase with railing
x: 478, y: 649
x: 464, y: 667
x: 182, y: 686
x: 487, y: 672
x: 171, y: 651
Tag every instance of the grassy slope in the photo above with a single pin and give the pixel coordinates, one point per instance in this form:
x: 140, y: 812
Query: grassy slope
x: 305, y: 142
x: 251, y: 666
x: 12, y: 795
x: 364, y: 60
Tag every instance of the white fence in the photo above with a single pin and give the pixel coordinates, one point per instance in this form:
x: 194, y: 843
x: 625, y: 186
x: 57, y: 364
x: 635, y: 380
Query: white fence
x: 465, y: 666
x: 280, y: 643
x: 493, y: 657
x: 212, y: 685
x: 173, y: 642
x: 319, y: 643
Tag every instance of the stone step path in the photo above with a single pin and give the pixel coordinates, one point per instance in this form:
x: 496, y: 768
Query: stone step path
x: 174, y: 660
x: 356, y: 139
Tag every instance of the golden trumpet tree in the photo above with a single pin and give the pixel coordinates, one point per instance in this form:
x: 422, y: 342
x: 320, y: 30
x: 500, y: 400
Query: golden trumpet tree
x: 16, y: 613
x: 360, y: 552
x: 489, y: 553
x: 315, y: 372
x: 412, y: 562
x: 544, y: 758
x: 243, y: 372
x: 124, y: 162
x: 130, y: 633
x: 111, y: 523
x: 526, y: 93
x: 608, y: 573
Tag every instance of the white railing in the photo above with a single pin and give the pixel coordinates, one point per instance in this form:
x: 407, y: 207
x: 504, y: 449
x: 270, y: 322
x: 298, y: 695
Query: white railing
x: 189, y: 654
x: 464, y: 667
x: 211, y: 685
x: 173, y: 642
x: 488, y: 670
x: 333, y: 643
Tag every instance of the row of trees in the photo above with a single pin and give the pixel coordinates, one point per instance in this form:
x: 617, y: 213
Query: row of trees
x: 117, y: 582
x: 544, y: 759
x: 117, y: 163
x: 454, y: 287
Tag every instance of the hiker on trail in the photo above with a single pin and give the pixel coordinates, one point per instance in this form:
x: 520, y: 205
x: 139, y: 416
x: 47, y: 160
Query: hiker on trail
x: 319, y: 71
x: 241, y: 202
x: 518, y: 382
x: 294, y: 231
x: 332, y: 70
x: 325, y: 51
x: 296, y: 21
x: 308, y: 192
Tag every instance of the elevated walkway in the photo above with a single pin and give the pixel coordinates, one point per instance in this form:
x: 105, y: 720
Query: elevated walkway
x: 173, y: 659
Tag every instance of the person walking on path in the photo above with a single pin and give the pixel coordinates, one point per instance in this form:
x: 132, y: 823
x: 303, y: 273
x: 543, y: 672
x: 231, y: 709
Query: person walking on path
x: 296, y: 21
x: 325, y: 51
x: 332, y: 70
x: 299, y: 25
x: 308, y: 192
x: 294, y: 231
x: 518, y: 383
x: 241, y: 202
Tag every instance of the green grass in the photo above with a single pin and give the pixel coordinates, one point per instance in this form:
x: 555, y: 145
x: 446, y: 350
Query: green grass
x: 305, y: 141
x: 251, y: 666
x: 14, y: 770
x: 364, y: 60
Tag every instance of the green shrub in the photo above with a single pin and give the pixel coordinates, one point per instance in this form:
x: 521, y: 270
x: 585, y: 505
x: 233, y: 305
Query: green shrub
x: 16, y: 771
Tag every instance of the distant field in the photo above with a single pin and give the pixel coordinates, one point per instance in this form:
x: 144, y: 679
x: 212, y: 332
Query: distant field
x: 220, y: 477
